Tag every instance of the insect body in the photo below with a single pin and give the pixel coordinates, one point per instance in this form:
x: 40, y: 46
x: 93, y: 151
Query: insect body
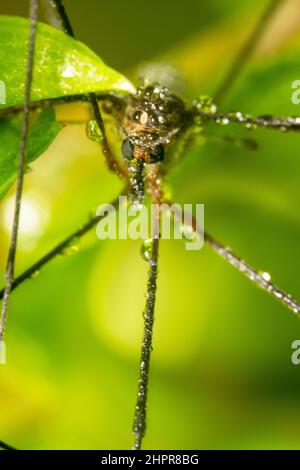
x: 151, y: 119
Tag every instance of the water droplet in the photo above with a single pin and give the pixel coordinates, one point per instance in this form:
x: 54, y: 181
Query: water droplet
x: 35, y: 274
x: 224, y: 121
x: 28, y: 169
x: 277, y: 294
x: 137, y: 182
x: 136, y: 205
x: 144, y: 118
x: 250, y: 125
x: 206, y: 105
x: 188, y: 233
x: 2, y: 352
x: 239, y: 116
x: 72, y: 248
x: 147, y: 251
x: 266, y: 276
x: 93, y: 132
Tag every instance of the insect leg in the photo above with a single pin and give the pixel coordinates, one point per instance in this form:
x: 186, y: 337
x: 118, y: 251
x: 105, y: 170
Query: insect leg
x: 139, y: 423
x: 34, y: 105
x: 60, y: 247
x: 5, y: 446
x: 10, y: 266
x: 262, y: 280
x: 111, y: 161
x: 282, y: 124
x: 151, y: 247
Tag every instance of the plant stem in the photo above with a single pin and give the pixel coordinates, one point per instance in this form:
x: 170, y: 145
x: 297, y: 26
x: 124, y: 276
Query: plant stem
x: 140, y: 417
x: 10, y: 267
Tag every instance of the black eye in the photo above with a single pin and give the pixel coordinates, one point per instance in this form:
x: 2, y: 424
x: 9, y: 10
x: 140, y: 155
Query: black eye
x: 127, y: 149
x: 157, y: 155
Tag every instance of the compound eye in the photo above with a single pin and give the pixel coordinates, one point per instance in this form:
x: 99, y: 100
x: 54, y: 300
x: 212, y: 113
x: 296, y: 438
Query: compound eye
x: 127, y: 149
x: 157, y: 155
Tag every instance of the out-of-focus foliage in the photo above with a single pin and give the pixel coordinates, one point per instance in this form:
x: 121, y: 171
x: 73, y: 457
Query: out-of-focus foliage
x: 221, y: 375
x: 42, y: 132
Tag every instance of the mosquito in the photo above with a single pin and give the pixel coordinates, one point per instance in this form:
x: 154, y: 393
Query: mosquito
x: 150, y: 121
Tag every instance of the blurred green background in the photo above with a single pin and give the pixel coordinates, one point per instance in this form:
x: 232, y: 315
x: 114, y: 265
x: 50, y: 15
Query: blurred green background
x: 221, y: 375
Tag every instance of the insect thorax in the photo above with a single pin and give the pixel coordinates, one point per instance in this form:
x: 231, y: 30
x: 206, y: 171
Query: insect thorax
x: 152, y: 118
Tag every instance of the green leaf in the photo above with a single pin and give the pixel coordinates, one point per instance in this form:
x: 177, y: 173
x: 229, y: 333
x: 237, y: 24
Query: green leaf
x: 63, y: 65
x: 42, y: 132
